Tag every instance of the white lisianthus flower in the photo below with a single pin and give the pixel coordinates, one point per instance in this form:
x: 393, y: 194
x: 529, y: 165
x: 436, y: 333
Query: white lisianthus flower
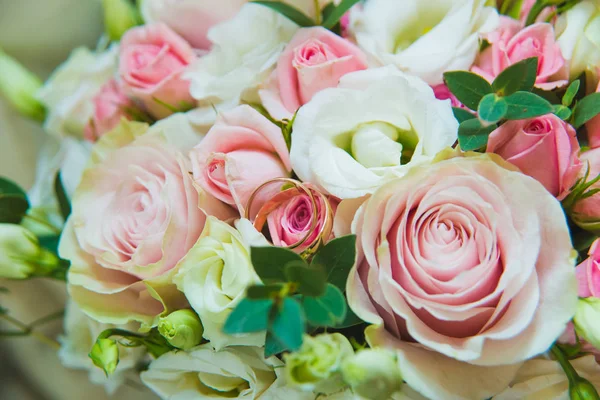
x: 244, y: 50
x: 203, y: 373
x: 369, y: 130
x: 69, y: 92
x: 578, y: 35
x: 80, y: 335
x: 424, y: 38
x: 214, y: 276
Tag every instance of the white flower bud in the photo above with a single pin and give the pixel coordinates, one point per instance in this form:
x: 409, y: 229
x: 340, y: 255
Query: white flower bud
x: 19, y: 87
x: 373, y: 374
x: 182, y: 329
x: 587, y: 320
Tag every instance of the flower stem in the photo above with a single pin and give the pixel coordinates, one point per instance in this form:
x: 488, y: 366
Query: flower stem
x: 317, y: 12
x: 27, y: 330
x: 565, y: 364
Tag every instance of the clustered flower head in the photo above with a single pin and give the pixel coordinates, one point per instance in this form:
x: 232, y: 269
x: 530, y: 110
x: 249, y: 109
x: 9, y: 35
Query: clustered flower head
x: 304, y: 199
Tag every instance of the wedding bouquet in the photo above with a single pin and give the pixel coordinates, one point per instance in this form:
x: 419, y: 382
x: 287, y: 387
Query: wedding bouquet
x: 310, y: 199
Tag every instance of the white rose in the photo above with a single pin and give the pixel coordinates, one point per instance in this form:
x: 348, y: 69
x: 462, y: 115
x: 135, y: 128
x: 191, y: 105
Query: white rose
x: 69, y: 91
x: 80, y: 335
x: 424, y: 38
x: 244, y: 51
x: 578, y: 36
x: 545, y: 379
x: 235, y: 373
x: 214, y: 276
x: 369, y: 130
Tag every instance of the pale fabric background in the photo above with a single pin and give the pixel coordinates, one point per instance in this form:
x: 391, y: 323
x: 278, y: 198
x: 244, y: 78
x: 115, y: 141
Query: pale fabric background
x: 40, y: 34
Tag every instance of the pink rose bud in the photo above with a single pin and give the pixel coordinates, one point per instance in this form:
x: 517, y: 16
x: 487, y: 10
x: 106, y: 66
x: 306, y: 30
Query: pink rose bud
x: 441, y: 92
x: 510, y: 44
x: 544, y: 148
x: 588, y: 273
x: 109, y: 107
x: 315, y: 59
x: 593, y: 127
x: 586, y: 212
x: 241, y: 151
x: 152, y: 60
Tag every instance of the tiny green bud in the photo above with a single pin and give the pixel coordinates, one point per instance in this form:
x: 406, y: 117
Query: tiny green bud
x: 316, y: 366
x: 119, y: 17
x: 105, y: 355
x: 373, y: 374
x: 582, y: 389
x: 19, y: 86
x: 587, y: 320
x: 182, y: 329
x: 21, y: 255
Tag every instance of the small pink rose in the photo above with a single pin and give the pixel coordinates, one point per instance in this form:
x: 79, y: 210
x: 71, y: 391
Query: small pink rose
x: 109, y: 108
x: 315, y: 59
x: 588, y: 273
x: 593, y: 128
x: 292, y: 221
x: 510, y: 44
x: 544, y: 148
x: 240, y: 152
x: 586, y: 212
x: 441, y: 92
x: 152, y: 60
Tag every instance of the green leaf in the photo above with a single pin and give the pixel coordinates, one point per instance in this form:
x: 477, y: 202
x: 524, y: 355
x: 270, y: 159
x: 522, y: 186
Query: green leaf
x: 289, y: 12
x: 552, y: 97
x: 257, y: 292
x: 287, y: 328
x: 571, y: 92
x: 469, y: 88
x: 269, y: 262
x: 4, y: 290
x: 334, y: 17
x: 562, y: 112
x: 273, y: 346
x: 61, y: 196
x: 523, y: 105
x: 586, y: 109
x: 337, y: 257
x: 461, y: 114
x: 512, y: 8
x: 248, y: 316
x: 519, y: 76
x: 327, y: 310
x: 13, y: 202
x: 350, y: 320
x: 472, y: 135
x: 311, y: 280
x: 492, y: 108
x: 50, y: 243
x: 3, y: 311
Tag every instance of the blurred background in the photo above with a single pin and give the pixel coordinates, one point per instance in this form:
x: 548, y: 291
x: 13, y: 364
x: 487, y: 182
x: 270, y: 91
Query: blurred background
x: 40, y: 34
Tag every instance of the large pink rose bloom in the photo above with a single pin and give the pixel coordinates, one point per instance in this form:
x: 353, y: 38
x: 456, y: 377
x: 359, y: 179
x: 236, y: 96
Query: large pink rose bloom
x: 110, y: 105
x: 466, y: 269
x: 545, y: 148
x: 315, y: 59
x: 511, y: 44
x: 151, y: 61
x: 135, y: 215
x: 241, y: 151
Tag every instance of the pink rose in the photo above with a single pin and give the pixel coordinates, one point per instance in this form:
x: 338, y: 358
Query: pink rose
x: 593, y: 127
x: 152, y: 60
x: 544, y: 148
x: 586, y: 212
x: 588, y: 273
x: 135, y: 215
x: 465, y: 268
x: 191, y: 19
x: 315, y: 59
x: 241, y: 151
x: 109, y: 107
x: 510, y: 44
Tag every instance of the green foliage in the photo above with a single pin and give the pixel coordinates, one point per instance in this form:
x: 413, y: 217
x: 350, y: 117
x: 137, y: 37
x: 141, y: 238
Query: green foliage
x: 469, y: 88
x: 250, y: 315
x: 571, y: 92
x: 518, y: 77
x: 264, y: 291
x: 327, y: 310
x: 288, y: 11
x: 562, y: 112
x: 492, y: 108
x: 269, y: 262
x: 310, y: 280
x: 586, y: 109
x: 522, y: 105
x: 61, y: 196
x: 337, y: 257
x: 461, y: 114
x: 334, y: 16
x: 13, y: 202
x: 287, y: 328
x: 472, y: 135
